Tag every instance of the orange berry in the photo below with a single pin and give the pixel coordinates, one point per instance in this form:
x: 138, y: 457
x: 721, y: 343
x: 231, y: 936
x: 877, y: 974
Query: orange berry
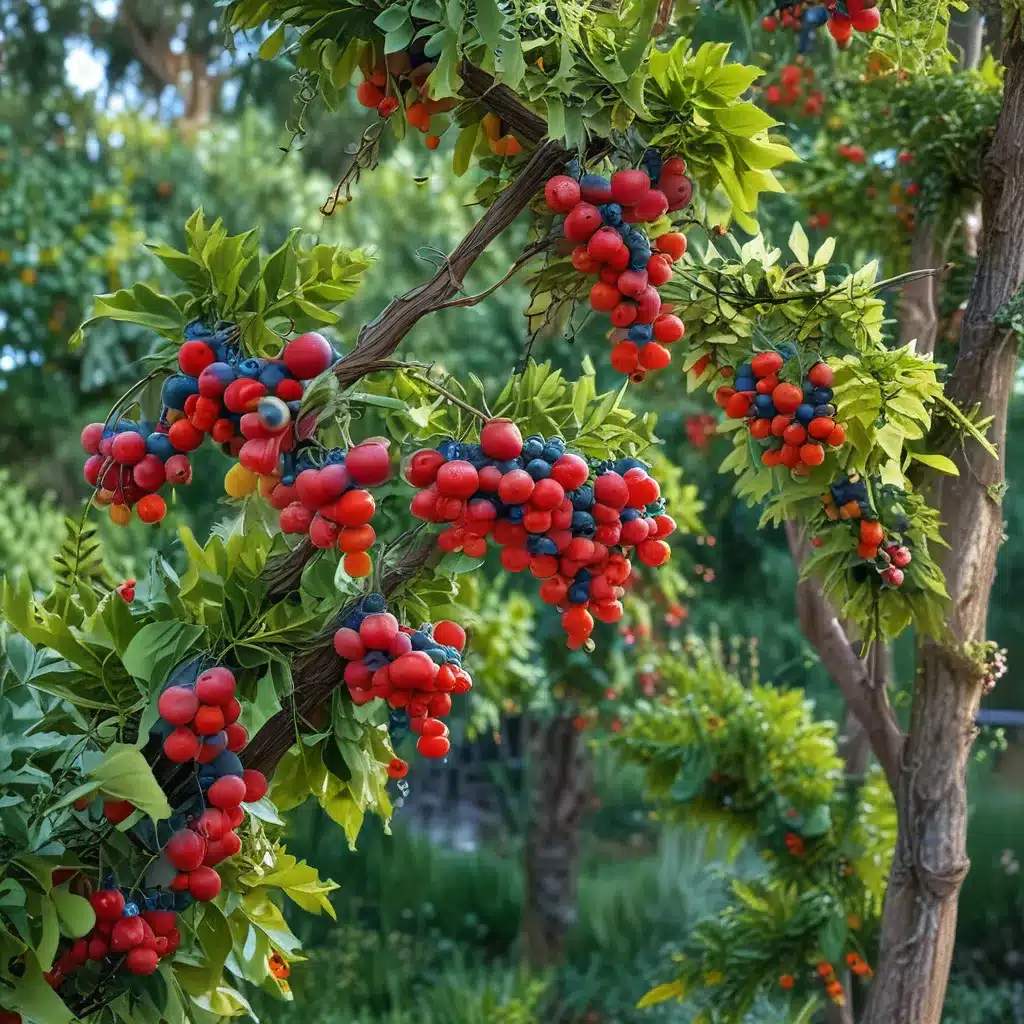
x: 120, y: 514
x: 432, y: 141
x: 358, y: 564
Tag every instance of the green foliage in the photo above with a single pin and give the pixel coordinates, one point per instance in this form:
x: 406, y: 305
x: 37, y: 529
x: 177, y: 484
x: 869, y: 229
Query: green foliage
x: 30, y: 531
x: 754, y: 757
x: 294, y: 288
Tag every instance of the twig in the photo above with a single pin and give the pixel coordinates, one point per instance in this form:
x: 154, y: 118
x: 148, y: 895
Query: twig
x: 446, y: 394
x: 527, y: 255
x: 911, y: 275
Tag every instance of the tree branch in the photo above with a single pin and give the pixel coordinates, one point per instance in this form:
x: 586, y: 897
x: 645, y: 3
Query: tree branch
x: 501, y: 100
x: 865, y: 691
x: 318, y: 673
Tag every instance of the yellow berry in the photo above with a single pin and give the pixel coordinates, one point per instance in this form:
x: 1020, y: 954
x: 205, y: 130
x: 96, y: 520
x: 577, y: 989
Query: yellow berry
x: 239, y: 481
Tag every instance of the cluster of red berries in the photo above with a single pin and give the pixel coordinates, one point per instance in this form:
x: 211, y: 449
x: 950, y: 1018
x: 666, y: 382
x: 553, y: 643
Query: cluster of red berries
x: 847, y: 501
x: 859, y: 16
x: 414, y: 669
x: 852, y: 151
x: 833, y: 986
x: 601, y: 217
x: 787, y: 17
x: 400, y: 80
x: 217, y: 392
x: 330, y: 502
x: 199, y: 722
x: 791, y: 89
x: 140, y: 939
x: 795, y: 423
x: 549, y: 511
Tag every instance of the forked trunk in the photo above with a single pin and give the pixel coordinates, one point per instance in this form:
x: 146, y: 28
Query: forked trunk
x: 930, y: 861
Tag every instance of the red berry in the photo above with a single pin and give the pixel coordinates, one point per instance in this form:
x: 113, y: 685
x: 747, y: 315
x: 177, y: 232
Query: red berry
x: 178, y: 705
x: 194, y: 357
x: 116, y: 811
x: 204, y: 883
x: 583, y: 261
x: 255, y: 785
x: 501, y: 440
x: 127, y: 933
x: 421, y: 469
x: 368, y: 464
x: 654, y: 356
x: 108, y: 904
x: 625, y: 357
x: 397, y: 768
x: 652, y: 206
x: 562, y: 193
x: 821, y: 375
x: 893, y: 576
x: 764, y: 364
x: 668, y: 328
x: 92, y: 435
x: 349, y: 645
x: 323, y: 533
x: 604, y: 297
x: 570, y: 470
x: 208, y: 720
x: 611, y: 489
x: 629, y: 187
x: 185, y: 849
x: 672, y: 245
x: 185, y: 438
x: 450, y: 634
x: 659, y: 270
x: 604, y: 244
x: 786, y: 398
x: 516, y: 487
x: 308, y: 355
x: 227, y: 791
x: 178, y: 470
x: 433, y: 746
x: 128, y: 448
x: 215, y: 686
x: 149, y: 472
x: 582, y: 222
x: 648, y: 305
x: 457, y: 479
x: 181, y: 746
x: 812, y: 454
x: 295, y: 518
x: 151, y: 508
x: 654, y: 552
x: 413, y: 671
x: 237, y: 737
x: 821, y: 427
x: 378, y: 630
x: 212, y: 823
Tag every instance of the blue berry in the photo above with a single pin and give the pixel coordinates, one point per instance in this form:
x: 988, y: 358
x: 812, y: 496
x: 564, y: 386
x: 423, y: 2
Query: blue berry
x: 652, y: 164
x: 623, y: 465
x: 449, y: 449
x: 532, y: 447
x: 160, y: 446
x: 508, y: 466
x: 804, y: 413
x: 196, y: 330
x: 627, y: 515
x: 825, y: 410
x: 251, y: 368
x: 596, y: 182
x: 538, y: 469
x: 764, y: 405
x: 176, y: 389
x: 745, y: 383
x: 579, y: 593
x: 516, y: 513
x: 611, y: 214
x: 583, y: 498
x: 552, y: 454
x: 583, y: 524
x: 541, y: 546
x: 226, y: 763
x: 820, y: 396
x: 640, y: 333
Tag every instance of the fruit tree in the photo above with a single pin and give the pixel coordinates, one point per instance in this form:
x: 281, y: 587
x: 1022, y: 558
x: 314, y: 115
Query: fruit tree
x: 156, y: 730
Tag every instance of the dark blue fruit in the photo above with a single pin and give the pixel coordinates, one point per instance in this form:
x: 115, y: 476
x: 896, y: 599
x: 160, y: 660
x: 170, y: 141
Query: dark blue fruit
x: 583, y: 498
x: 541, y: 546
x: 611, y: 214
x: 583, y: 524
x: 804, y: 414
x: 579, y: 593
x: 764, y: 405
x: 374, y: 603
x: 176, y: 389
x: 449, y: 449
x: 226, y: 763
x: 538, y: 469
x: 532, y: 447
x: 640, y: 333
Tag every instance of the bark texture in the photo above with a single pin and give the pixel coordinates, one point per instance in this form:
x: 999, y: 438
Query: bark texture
x: 561, y: 787
x: 930, y: 861
x: 919, y: 308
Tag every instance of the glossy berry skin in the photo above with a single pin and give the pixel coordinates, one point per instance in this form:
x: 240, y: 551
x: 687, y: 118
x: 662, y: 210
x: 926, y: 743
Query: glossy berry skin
x: 450, y: 634
x: 204, y: 883
x: 562, y: 193
x: 397, y: 768
x: 208, y: 721
x: 178, y: 705
x: 194, y: 357
x: 368, y: 464
x: 433, y: 746
x: 582, y: 222
x: 215, y: 686
x: 227, y: 791
x: 255, y: 785
x: 108, y: 904
x: 308, y: 355
x: 501, y: 440
x: 128, y: 448
x: 116, y: 811
x: 630, y: 186
x: 185, y: 849
x: 181, y: 746
x: 127, y: 933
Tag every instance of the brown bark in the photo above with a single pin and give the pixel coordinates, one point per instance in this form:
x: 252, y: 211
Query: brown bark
x: 919, y: 315
x: 561, y: 785
x: 930, y: 861
x: 863, y: 687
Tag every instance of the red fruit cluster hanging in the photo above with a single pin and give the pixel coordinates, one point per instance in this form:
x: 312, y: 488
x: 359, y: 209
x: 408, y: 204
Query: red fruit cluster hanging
x: 405, y: 75
x: 414, y: 669
x: 569, y: 523
x: 245, y: 404
x: 792, y: 87
x: 330, y: 502
x: 793, y: 422
x: 131, y: 941
x: 858, y: 16
x: 199, y: 722
x: 601, y: 216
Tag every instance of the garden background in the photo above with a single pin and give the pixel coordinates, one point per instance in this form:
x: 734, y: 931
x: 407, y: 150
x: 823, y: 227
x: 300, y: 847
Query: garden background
x: 116, y: 121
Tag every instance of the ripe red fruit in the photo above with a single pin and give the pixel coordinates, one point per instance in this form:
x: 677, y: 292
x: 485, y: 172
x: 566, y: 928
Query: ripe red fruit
x: 108, y: 904
x: 812, y: 454
x: 604, y: 244
x: 323, y: 533
x: 866, y: 20
x: 840, y: 27
x: 786, y: 398
x: 255, y: 785
x: 368, y: 464
x: 570, y: 470
x: 397, y: 768
x: 821, y: 427
x: 516, y: 487
x: 795, y: 434
x: 583, y: 261
x: 562, y: 193
x: 871, y: 532
x: 582, y: 222
x: 625, y: 357
x: 668, y: 328
x: 604, y: 297
x: 610, y: 489
x: 378, y: 630
x: 623, y: 314
x: 308, y: 355
x: 629, y: 187
x: 900, y: 556
x: 178, y: 470
x: 654, y: 356
x: 548, y: 494
x: 413, y: 671
x: 92, y: 435
x: 349, y: 645
x: 451, y: 634
x: 238, y: 736
x: 215, y: 686
x: 738, y: 405
x: 178, y: 705
x: 501, y: 440
x: 208, y: 721
x: 421, y: 469
x: 204, y: 883
x: 227, y: 791
x: 194, y: 357
x: 672, y: 244
x: 893, y: 576
x: 650, y: 207
x: 457, y: 479
x: 116, y: 811
x: 212, y: 823
x: 127, y: 933
x: 149, y: 472
x: 659, y: 270
x: 648, y: 305
x: 181, y: 746
x: 766, y: 363
x: 296, y: 518
x: 761, y: 428
x: 151, y: 508
x: 128, y: 448
x: 433, y: 746
x: 185, y: 849
x: 677, y: 188
x: 821, y: 375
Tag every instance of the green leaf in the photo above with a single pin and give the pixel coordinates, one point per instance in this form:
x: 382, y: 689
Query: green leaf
x: 139, y: 305
x: 124, y: 774
x: 34, y: 998
x: 157, y: 648
x: 662, y: 994
x: 464, y: 146
x: 798, y: 244
x: 271, y: 46
x: 938, y: 462
x: 75, y: 912
x: 490, y: 21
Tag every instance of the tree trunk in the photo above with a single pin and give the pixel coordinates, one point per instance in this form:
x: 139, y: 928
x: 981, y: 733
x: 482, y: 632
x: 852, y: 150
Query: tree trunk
x: 561, y: 787
x: 930, y: 861
x: 919, y: 313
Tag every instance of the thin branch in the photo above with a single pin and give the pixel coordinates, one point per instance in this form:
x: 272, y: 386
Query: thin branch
x: 911, y: 275
x: 449, y: 397
x: 528, y: 254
